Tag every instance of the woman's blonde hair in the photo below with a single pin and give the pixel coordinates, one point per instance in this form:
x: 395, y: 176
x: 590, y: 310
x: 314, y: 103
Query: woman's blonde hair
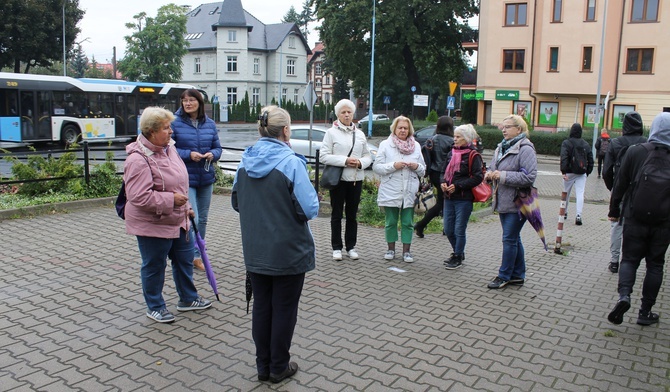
x: 519, y: 122
x: 153, y: 118
x: 394, y: 125
x: 272, y: 121
x: 468, y: 132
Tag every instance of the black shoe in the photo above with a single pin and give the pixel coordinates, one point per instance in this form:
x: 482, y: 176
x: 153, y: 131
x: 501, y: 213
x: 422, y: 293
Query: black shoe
x: 419, y: 231
x: 621, y: 307
x: 291, y: 369
x: 454, y: 262
x: 516, y: 281
x: 613, y: 267
x: 263, y: 377
x: 578, y: 220
x: 647, y: 317
x: 498, y: 283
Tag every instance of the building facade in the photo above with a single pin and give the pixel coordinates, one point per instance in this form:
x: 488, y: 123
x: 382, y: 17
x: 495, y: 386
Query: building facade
x: 232, y: 53
x: 541, y: 59
x: 323, y: 81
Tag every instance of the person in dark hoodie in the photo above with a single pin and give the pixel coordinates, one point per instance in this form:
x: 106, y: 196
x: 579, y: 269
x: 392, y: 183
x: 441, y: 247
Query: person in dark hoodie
x: 569, y: 149
x: 275, y: 198
x: 641, y: 240
x: 632, y: 134
x: 197, y: 141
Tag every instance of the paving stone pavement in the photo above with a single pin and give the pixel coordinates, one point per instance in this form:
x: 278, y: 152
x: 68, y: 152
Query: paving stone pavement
x: 73, y: 317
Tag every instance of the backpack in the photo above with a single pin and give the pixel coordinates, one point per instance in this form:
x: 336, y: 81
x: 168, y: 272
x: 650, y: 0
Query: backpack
x: 650, y: 195
x: 578, y: 161
x: 604, y: 145
x: 121, y: 199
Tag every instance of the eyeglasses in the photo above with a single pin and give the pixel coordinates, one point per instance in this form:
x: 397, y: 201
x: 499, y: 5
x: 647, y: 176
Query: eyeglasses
x: 189, y: 100
x: 510, y: 126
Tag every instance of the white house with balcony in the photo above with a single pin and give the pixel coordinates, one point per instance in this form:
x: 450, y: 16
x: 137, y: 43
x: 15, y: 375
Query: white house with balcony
x: 232, y: 53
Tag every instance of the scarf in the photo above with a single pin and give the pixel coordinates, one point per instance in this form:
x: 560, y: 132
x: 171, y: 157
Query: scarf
x: 455, y: 162
x: 350, y: 128
x: 506, y: 144
x: 406, y: 147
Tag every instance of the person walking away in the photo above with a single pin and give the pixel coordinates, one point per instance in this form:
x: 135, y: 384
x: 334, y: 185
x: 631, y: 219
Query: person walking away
x: 643, y: 185
x: 400, y: 164
x: 275, y: 198
x: 576, y: 165
x: 462, y: 173
x: 197, y: 142
x: 440, y: 146
x: 602, y: 144
x: 514, y: 165
x: 632, y: 134
x: 157, y: 213
x: 345, y: 198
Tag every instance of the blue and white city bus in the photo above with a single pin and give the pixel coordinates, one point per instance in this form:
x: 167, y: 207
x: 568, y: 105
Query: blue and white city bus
x: 39, y: 108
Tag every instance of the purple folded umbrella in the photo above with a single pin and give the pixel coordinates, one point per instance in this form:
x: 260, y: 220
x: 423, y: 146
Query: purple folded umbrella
x: 202, y: 246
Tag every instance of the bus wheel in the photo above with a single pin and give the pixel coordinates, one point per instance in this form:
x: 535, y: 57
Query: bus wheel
x: 70, y: 134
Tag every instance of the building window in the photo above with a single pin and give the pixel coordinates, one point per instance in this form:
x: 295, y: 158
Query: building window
x: 327, y: 80
x: 295, y: 95
x: 326, y: 97
x: 255, y: 96
x: 317, y: 83
x: 644, y: 11
x: 591, y: 10
x: 556, y: 11
x: 317, y: 69
x: 513, y: 60
x: 232, y: 95
x: 587, y: 55
x: 232, y: 35
x: 232, y: 64
x: 291, y: 42
x: 639, y: 60
x: 553, y: 59
x: 257, y: 66
x: 290, y: 67
x: 197, y: 65
x: 515, y: 14
x: 284, y: 91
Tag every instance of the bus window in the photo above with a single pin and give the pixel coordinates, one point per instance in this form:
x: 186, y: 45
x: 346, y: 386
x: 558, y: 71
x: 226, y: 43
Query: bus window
x: 120, y: 115
x: 131, y: 115
x: 8, y: 103
x: 27, y: 110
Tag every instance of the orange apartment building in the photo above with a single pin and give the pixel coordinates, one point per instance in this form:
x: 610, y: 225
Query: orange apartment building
x: 541, y: 59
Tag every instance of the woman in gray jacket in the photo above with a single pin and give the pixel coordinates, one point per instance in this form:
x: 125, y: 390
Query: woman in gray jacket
x: 514, y: 165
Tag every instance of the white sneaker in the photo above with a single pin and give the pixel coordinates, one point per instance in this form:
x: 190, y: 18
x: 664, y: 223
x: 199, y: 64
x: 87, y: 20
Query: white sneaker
x: 389, y: 255
x: 407, y: 257
x: 353, y: 254
x: 337, y: 255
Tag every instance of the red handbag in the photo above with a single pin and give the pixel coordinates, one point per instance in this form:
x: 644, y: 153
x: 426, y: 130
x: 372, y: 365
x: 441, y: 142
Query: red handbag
x: 482, y: 192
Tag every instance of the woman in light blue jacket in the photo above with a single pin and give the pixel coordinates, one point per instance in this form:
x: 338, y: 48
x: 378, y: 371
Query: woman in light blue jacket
x: 400, y: 164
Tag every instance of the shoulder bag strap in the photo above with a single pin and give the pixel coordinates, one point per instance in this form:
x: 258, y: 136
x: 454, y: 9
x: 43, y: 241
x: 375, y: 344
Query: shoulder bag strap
x: 353, y: 142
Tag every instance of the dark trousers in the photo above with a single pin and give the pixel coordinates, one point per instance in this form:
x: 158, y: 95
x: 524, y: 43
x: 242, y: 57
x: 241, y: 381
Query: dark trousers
x: 650, y: 243
x: 600, y: 163
x: 274, y: 316
x: 435, y: 178
x: 345, y: 198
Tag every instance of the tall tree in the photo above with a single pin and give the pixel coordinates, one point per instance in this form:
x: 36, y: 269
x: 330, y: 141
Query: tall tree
x: 417, y: 43
x: 31, y: 32
x: 154, y: 51
x: 302, y: 19
x: 79, y: 63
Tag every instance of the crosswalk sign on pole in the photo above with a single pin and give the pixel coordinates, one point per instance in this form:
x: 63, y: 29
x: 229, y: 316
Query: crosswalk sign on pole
x: 451, y: 101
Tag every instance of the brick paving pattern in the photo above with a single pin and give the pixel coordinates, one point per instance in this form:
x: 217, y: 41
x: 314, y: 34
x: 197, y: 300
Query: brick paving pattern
x: 73, y: 316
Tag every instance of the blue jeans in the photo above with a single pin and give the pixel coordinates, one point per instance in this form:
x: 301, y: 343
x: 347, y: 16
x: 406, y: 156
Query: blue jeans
x: 455, y: 220
x: 154, y: 252
x: 513, y: 258
x: 200, y: 199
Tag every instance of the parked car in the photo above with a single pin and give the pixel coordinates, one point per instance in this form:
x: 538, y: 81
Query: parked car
x: 300, y: 142
x: 375, y: 117
x: 424, y: 134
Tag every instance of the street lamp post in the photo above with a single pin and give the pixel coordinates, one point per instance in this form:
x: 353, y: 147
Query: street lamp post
x: 600, y: 77
x: 372, y: 68
x: 64, y: 52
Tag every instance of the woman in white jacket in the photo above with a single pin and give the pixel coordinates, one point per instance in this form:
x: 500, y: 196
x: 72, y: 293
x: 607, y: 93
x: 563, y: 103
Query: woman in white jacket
x: 341, y: 139
x: 400, y: 164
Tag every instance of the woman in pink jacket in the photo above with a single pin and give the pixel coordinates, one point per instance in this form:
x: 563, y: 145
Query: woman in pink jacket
x: 157, y: 212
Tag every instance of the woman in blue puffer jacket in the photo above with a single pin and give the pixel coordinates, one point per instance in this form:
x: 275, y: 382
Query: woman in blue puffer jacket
x: 197, y: 142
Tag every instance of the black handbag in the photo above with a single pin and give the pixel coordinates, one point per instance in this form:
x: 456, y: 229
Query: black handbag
x: 330, y: 178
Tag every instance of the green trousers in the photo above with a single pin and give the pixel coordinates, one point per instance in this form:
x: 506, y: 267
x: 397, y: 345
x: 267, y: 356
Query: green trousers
x: 406, y: 216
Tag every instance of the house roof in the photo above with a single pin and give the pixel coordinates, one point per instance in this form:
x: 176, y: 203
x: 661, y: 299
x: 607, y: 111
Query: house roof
x: 204, y: 20
x: 316, y: 51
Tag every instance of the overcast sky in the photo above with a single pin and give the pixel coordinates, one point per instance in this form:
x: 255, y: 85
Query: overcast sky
x: 104, y: 23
